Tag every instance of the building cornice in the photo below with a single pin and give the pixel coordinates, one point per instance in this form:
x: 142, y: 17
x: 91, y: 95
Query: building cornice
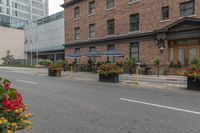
x: 70, y: 3
x: 109, y: 39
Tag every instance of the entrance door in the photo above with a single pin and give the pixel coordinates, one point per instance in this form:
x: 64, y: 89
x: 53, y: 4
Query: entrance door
x: 187, y: 55
x: 184, y: 52
x: 181, y: 56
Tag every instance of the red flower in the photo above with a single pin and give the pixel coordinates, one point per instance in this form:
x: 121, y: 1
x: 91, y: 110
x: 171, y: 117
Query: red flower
x: 14, y: 104
x: 7, y: 86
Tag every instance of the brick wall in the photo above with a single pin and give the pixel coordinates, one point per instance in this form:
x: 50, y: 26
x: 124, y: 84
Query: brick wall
x: 150, y: 16
x: 147, y: 49
x: 149, y: 52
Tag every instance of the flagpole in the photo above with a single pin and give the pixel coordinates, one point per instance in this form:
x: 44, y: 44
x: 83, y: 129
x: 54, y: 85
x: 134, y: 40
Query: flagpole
x: 31, y: 53
x: 25, y: 44
x: 26, y: 55
x: 37, y: 47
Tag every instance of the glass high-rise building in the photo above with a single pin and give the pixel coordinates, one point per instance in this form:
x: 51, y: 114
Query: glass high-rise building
x: 17, y: 13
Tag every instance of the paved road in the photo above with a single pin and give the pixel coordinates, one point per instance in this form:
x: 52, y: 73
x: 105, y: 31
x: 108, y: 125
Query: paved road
x: 73, y: 106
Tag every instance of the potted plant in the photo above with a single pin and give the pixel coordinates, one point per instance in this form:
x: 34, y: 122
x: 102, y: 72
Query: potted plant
x: 12, y: 109
x: 109, y: 73
x: 44, y: 62
x: 193, y: 75
x: 56, y: 68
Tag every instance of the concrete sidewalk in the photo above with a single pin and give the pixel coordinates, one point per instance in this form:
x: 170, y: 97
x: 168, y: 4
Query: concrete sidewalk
x: 147, y: 80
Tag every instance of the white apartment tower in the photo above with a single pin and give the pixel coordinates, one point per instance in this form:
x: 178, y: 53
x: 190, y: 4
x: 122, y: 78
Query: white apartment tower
x: 17, y: 13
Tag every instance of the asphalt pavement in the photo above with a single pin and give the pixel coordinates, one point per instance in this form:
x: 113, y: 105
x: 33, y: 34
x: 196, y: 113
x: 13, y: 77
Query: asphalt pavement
x: 64, y: 105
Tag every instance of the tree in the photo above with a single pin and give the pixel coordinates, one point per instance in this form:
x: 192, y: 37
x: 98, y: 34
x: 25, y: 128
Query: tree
x: 8, y: 57
x: 131, y: 62
x: 157, y: 63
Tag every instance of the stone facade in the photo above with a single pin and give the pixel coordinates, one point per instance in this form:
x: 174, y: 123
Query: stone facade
x: 150, y: 20
x: 13, y: 40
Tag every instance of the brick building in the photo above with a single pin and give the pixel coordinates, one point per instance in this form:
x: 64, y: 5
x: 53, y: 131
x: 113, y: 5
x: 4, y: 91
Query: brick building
x: 141, y: 29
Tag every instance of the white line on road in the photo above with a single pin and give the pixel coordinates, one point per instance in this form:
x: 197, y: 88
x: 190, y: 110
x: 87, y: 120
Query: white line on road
x: 161, y: 106
x: 24, y: 81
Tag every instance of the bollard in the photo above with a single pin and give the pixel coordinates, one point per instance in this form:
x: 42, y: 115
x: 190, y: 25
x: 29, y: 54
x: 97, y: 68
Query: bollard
x: 71, y: 73
x: 137, y: 73
x: 37, y: 70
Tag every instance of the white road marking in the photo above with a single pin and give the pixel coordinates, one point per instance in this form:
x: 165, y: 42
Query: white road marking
x: 161, y: 106
x: 24, y: 81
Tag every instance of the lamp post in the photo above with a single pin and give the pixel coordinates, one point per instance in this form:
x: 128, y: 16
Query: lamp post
x: 71, y: 73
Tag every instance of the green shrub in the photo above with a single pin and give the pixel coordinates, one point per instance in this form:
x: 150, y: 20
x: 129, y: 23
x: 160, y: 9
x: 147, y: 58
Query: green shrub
x: 58, y: 65
x: 44, y: 62
x: 107, y: 69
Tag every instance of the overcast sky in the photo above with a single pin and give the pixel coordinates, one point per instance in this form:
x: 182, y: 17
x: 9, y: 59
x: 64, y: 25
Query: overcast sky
x: 54, y: 6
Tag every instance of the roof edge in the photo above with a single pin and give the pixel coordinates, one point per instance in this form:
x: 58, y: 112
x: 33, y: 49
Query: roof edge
x: 70, y: 3
x: 165, y: 29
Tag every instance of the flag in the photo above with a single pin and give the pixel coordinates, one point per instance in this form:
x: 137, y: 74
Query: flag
x: 26, y: 41
x: 30, y: 40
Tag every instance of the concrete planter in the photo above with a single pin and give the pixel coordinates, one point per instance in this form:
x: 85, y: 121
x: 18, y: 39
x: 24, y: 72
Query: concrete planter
x: 109, y: 78
x: 193, y: 84
x: 54, y: 73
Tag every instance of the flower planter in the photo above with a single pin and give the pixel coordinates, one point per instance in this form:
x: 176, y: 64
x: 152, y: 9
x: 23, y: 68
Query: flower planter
x: 193, y: 84
x: 13, y: 114
x: 54, y: 73
x: 109, y: 78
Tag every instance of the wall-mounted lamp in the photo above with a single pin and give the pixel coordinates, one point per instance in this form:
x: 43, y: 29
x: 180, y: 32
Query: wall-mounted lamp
x: 156, y: 41
x: 162, y: 49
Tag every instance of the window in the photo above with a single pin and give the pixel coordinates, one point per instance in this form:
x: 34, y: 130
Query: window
x: 134, y: 51
x: 0, y: 9
x: 111, y: 58
x: 187, y: 8
x: 92, y: 7
x: 76, y: 12
x: 134, y: 22
x: 7, y: 2
x: 110, y: 4
x: 77, y: 51
x: 181, y: 56
x: 16, y: 13
x: 8, y: 11
x: 111, y: 27
x: 92, y: 49
x: 171, y: 55
x: 77, y: 33
x: 165, y: 13
x: 16, y: 5
x: 92, y: 31
x: 133, y: 1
